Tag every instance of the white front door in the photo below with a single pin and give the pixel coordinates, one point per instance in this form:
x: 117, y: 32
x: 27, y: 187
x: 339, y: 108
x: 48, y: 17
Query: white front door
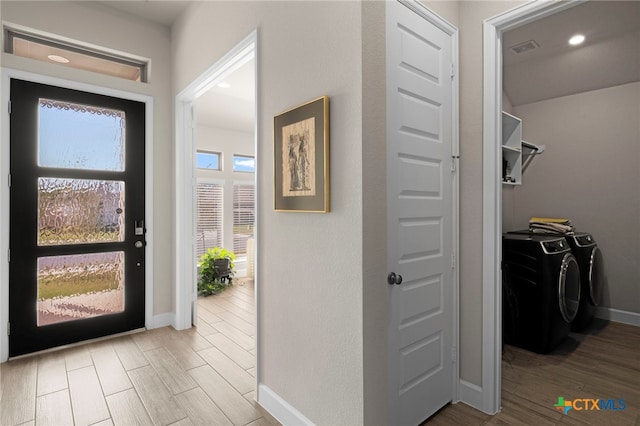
x: 420, y: 215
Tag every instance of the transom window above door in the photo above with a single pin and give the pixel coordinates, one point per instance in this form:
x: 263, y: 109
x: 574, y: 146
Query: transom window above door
x: 74, y: 55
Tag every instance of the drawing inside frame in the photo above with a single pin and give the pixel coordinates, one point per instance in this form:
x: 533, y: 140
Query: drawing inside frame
x: 298, y: 153
x: 301, y: 151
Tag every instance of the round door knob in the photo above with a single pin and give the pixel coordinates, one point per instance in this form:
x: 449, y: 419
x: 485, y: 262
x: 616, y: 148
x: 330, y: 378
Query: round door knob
x: 138, y: 244
x: 394, y: 278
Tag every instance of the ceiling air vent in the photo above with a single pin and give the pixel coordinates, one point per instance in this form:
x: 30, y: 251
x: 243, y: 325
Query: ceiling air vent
x: 524, y: 47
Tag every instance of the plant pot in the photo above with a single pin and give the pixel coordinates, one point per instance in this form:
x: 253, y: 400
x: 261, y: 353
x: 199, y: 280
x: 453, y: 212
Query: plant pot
x: 222, y: 267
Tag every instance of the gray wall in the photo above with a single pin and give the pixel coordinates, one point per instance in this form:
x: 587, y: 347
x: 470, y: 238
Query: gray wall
x: 324, y: 335
x: 375, y: 300
x: 590, y: 174
x: 309, y: 265
x: 472, y: 16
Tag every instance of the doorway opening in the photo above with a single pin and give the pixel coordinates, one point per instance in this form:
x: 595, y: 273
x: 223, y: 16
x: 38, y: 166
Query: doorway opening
x: 225, y: 168
x: 494, y: 29
x: 203, y: 131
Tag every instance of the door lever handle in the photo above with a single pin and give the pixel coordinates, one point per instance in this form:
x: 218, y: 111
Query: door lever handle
x: 394, y: 278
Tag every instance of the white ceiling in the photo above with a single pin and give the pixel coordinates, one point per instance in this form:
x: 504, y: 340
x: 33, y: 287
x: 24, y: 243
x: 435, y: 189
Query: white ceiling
x: 610, y: 55
x: 164, y: 12
x: 230, y: 108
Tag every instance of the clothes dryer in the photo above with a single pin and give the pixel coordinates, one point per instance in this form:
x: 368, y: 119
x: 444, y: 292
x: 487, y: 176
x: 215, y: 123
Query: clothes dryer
x: 591, y: 264
x: 541, y: 283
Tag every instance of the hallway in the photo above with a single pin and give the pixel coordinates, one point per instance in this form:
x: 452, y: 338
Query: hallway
x: 204, y: 375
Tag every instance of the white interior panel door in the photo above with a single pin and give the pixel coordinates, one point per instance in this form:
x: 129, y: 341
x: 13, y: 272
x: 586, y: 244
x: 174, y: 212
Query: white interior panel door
x: 420, y: 215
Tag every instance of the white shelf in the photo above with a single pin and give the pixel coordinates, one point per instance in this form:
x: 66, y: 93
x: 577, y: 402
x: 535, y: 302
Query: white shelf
x: 511, y: 149
x: 514, y: 149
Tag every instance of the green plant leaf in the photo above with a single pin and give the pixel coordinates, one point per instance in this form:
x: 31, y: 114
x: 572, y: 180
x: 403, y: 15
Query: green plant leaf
x: 216, y: 270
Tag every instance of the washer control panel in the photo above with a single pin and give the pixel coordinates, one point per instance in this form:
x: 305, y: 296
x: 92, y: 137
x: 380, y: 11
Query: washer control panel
x: 555, y: 246
x: 584, y: 240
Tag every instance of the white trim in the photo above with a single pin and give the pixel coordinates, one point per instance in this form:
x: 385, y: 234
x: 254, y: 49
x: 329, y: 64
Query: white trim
x: 56, y: 38
x: 7, y: 75
x: 456, y: 215
x: 491, y: 227
x: 617, y: 315
x: 471, y: 394
x: 243, y: 181
x: 279, y: 408
x: 492, y: 189
x: 162, y: 320
x: 183, y: 219
x: 218, y: 181
x: 185, y: 177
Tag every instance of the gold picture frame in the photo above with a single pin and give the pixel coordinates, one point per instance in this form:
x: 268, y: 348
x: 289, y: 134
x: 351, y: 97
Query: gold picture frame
x: 301, y: 158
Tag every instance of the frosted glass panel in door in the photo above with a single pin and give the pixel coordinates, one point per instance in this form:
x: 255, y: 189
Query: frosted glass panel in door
x: 79, y: 286
x: 80, y: 211
x: 77, y: 136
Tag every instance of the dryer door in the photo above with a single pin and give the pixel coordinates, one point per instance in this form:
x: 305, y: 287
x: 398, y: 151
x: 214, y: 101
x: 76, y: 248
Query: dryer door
x: 569, y: 287
x: 596, y: 276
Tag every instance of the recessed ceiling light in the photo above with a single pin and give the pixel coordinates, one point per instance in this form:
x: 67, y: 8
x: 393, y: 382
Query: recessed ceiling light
x: 224, y: 85
x: 59, y: 59
x: 576, y: 39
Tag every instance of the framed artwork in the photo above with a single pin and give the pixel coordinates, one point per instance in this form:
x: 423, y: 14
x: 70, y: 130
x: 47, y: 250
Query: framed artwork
x: 301, y: 163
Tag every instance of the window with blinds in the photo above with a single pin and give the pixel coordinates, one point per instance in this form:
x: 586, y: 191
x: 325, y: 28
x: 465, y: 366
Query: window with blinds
x: 209, y: 217
x: 244, y: 217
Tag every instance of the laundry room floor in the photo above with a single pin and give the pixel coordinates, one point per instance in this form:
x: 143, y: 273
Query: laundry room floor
x: 603, y: 363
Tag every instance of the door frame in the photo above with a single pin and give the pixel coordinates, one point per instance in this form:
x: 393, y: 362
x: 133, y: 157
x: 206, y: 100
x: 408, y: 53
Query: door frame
x: 492, y: 189
x: 185, y: 179
x: 6, y: 75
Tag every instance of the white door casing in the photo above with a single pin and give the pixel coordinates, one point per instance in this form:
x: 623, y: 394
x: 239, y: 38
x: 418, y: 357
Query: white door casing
x: 492, y: 190
x: 421, y: 213
x: 185, y: 182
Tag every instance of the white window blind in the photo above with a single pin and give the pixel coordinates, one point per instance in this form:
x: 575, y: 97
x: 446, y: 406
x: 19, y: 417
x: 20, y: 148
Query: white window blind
x: 209, y: 220
x: 244, y: 196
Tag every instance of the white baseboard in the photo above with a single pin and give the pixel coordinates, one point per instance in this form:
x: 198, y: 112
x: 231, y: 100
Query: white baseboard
x: 162, y: 320
x: 279, y: 408
x: 471, y: 394
x: 616, y: 315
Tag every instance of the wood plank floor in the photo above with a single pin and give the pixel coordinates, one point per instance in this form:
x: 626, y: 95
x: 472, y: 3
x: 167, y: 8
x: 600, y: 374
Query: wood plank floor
x: 202, y: 376
x: 205, y: 376
x: 602, y: 363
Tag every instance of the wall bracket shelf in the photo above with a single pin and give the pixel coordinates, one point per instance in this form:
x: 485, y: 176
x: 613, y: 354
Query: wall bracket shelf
x: 514, y: 149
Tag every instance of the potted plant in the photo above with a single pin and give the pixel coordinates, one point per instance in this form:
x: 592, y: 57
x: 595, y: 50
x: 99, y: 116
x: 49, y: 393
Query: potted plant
x: 216, y: 271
